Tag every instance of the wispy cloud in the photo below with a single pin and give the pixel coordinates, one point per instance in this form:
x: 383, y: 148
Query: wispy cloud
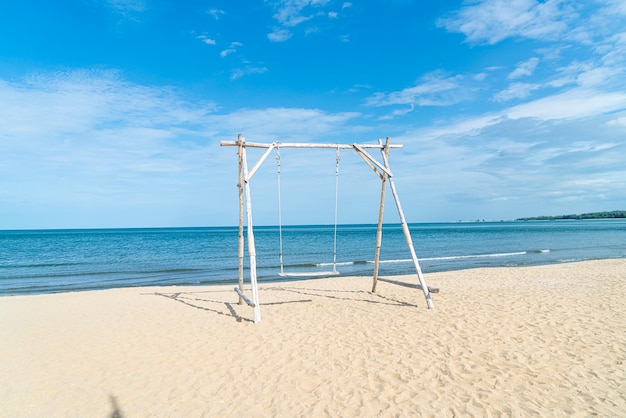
x: 231, y: 49
x: 563, y: 132
x: 434, y: 89
x: 516, y: 91
x: 279, y: 35
x: 119, y: 146
x: 83, y: 106
x: 206, y: 40
x: 292, y: 13
x: 128, y: 5
x: 271, y: 124
x: 216, y: 13
x: 240, y: 72
x: 359, y: 87
x: 621, y: 121
x: 521, y: 157
x: 128, y: 9
x: 490, y: 21
x: 575, y: 103
x: 104, y: 139
x: 525, y: 68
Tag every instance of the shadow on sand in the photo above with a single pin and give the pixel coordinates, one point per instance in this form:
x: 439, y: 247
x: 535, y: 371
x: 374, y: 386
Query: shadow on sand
x: 116, y: 413
x: 191, y: 299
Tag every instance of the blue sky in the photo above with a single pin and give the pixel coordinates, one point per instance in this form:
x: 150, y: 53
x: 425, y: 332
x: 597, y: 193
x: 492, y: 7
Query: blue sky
x: 111, y: 111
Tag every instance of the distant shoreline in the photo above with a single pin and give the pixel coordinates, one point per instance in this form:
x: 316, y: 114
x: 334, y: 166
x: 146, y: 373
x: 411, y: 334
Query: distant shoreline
x: 616, y: 214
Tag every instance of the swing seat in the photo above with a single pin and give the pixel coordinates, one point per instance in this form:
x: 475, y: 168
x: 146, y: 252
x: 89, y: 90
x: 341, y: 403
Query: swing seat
x: 309, y: 274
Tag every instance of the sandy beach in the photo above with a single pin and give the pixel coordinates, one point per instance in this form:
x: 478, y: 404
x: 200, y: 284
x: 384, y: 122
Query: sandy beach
x: 544, y: 340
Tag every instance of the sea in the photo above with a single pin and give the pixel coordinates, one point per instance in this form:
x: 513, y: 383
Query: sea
x: 51, y: 261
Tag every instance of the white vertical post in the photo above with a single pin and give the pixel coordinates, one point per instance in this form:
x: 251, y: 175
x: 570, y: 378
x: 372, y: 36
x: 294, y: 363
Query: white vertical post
x: 240, y: 240
x: 251, y: 246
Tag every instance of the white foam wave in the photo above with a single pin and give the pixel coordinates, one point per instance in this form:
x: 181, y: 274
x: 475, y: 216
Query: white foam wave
x: 456, y: 257
x: 462, y: 257
x: 452, y: 257
x: 343, y: 263
x: 391, y: 261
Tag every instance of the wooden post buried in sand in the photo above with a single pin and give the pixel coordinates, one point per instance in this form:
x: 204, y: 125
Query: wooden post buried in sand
x: 379, y: 230
x: 382, y: 170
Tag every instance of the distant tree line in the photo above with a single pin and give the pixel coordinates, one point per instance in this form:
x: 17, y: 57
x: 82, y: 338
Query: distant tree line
x: 593, y: 215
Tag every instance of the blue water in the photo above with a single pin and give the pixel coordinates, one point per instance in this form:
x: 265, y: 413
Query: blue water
x: 48, y: 261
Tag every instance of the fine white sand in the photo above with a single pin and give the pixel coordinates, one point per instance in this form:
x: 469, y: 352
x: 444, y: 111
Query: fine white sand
x: 547, y: 340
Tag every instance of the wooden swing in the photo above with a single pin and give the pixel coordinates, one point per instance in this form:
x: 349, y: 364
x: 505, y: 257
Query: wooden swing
x: 382, y: 170
x: 282, y: 272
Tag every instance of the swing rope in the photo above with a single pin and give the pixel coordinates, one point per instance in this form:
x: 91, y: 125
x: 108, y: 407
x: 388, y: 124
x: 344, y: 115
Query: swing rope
x: 280, y: 215
x: 280, y: 223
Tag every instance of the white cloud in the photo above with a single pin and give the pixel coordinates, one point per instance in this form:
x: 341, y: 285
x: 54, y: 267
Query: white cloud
x: 240, y: 72
x: 617, y: 122
x: 67, y: 102
x: 615, y: 7
x: 99, y: 142
x: 279, y: 35
x: 231, y: 49
x: 575, y: 103
x: 126, y: 7
x: 275, y: 123
x: 491, y: 21
x: 359, y: 87
x: 291, y: 13
x: 206, y: 40
x: 525, y: 68
x: 480, y: 76
x: 435, y: 89
x: 525, y: 157
x: 596, y: 76
x: 104, y: 150
x: 311, y: 30
x: 515, y: 91
x: 216, y: 13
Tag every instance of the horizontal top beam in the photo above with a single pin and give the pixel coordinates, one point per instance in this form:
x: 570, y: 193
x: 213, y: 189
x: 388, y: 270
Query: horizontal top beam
x: 304, y: 145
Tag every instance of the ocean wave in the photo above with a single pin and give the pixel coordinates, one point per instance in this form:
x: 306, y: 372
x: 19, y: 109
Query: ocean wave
x: 408, y: 260
x: 343, y: 263
x: 455, y: 257
x: 464, y: 257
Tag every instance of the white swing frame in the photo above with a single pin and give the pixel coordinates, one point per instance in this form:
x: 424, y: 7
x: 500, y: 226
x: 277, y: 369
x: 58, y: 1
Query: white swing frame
x: 382, y: 170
